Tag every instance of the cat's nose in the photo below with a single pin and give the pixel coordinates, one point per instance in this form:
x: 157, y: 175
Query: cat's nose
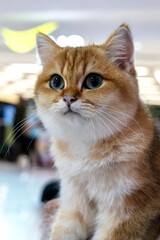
x: 69, y: 99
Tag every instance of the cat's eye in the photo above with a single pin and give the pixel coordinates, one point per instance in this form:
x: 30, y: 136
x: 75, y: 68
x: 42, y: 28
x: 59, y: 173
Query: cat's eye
x: 93, y: 81
x: 56, y: 82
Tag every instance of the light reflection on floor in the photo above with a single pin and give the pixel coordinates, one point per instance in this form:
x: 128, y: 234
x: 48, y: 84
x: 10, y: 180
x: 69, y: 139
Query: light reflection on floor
x: 20, y: 206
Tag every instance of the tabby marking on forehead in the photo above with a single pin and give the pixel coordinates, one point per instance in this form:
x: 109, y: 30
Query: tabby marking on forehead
x: 74, y: 67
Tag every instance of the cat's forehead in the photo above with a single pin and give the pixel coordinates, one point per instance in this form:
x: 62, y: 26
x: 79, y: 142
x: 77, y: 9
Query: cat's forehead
x: 78, y: 62
x: 74, y: 61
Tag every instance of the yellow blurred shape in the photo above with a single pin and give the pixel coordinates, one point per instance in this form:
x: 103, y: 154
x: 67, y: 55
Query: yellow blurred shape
x: 25, y: 41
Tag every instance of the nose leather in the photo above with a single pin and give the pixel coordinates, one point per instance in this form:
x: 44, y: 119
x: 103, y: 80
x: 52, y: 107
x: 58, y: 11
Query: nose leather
x: 69, y: 99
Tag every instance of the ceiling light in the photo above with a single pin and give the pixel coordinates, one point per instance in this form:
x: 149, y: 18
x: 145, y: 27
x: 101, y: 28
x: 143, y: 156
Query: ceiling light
x: 71, y: 41
x: 142, y: 71
x: 157, y: 75
x: 75, y: 41
x: 10, y: 75
x: 22, y: 68
x: 146, y: 81
x: 62, y: 41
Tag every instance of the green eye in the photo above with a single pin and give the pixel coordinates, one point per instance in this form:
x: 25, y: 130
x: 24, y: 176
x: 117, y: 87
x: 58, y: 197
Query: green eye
x: 56, y: 82
x: 93, y: 81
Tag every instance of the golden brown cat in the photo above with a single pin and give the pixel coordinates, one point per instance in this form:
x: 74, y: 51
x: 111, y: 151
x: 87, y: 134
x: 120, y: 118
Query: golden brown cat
x: 103, y: 139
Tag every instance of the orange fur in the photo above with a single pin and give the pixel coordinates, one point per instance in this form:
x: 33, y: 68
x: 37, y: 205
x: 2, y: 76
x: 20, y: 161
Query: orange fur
x: 106, y: 149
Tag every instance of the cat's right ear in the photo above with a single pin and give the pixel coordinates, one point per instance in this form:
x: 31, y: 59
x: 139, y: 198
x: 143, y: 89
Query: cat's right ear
x: 46, y: 48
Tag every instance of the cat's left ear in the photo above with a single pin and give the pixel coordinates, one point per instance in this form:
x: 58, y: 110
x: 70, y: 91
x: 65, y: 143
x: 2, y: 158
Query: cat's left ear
x: 120, y: 49
x: 46, y: 48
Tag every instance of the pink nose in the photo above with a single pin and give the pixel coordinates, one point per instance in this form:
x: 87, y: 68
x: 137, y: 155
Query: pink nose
x: 69, y: 99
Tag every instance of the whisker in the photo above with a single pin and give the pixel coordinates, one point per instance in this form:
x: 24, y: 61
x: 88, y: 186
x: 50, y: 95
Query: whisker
x: 21, y: 127
x: 17, y: 138
x: 125, y: 114
x: 18, y: 127
x: 120, y: 122
x: 30, y: 143
x: 130, y: 129
x: 111, y: 122
x: 92, y: 127
x: 109, y: 129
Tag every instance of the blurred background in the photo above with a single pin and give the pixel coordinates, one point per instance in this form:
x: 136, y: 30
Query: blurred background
x: 25, y: 165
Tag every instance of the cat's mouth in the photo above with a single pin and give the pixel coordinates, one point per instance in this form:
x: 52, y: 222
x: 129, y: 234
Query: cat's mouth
x: 71, y: 112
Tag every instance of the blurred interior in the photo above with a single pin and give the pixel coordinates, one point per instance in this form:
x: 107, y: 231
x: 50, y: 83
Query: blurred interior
x: 25, y: 165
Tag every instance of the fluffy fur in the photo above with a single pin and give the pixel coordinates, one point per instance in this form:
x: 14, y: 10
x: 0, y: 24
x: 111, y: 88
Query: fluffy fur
x: 106, y: 149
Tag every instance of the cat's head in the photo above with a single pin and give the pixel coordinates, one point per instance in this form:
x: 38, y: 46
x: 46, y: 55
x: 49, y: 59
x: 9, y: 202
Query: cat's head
x: 91, y: 90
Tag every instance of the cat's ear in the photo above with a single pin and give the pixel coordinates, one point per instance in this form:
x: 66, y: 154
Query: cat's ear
x: 46, y: 48
x: 120, y: 49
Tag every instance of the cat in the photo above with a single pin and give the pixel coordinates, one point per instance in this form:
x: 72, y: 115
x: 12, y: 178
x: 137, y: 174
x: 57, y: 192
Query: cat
x: 103, y: 139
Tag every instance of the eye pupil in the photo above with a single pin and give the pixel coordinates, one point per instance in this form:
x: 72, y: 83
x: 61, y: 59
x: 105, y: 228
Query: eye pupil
x: 94, y: 81
x: 56, y: 82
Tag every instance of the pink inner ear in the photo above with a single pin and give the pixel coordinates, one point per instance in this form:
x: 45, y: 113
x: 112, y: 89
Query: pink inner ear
x: 46, y: 48
x: 121, y: 64
x: 120, y: 49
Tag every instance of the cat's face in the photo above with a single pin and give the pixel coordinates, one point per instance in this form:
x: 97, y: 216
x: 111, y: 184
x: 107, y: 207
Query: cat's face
x: 92, y: 88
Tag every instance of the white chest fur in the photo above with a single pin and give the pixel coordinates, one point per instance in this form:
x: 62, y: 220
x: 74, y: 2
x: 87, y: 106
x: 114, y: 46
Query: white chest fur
x: 99, y: 180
